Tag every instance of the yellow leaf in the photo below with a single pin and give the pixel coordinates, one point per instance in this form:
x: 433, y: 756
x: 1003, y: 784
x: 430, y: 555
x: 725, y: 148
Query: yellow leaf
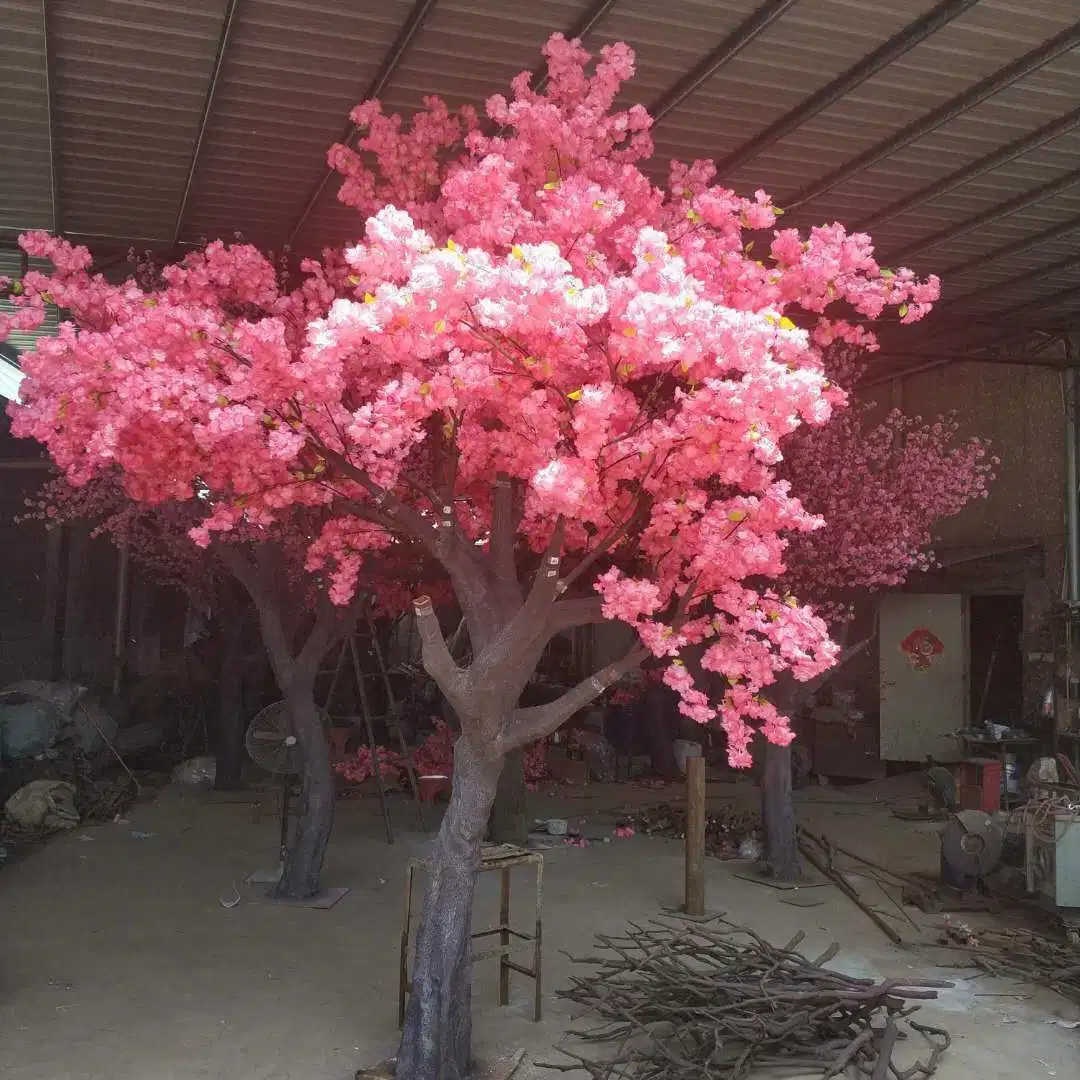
x: 903, y: 310
x: 747, y: 248
x: 149, y: 302
x: 529, y: 361
x: 629, y: 331
x: 517, y: 253
x: 599, y: 204
x: 451, y: 246
x: 694, y: 216
x: 448, y: 429
x: 425, y: 389
x: 353, y: 279
x: 688, y: 302
x: 575, y: 395
x: 672, y: 250
x: 787, y: 324
x: 221, y: 400
x: 440, y: 326
x: 736, y: 515
x: 772, y: 320
x: 369, y: 298
x: 551, y: 185
x: 626, y: 370
x: 777, y: 211
x: 791, y: 601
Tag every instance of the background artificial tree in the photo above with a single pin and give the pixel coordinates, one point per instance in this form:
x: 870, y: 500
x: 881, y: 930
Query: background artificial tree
x: 534, y: 362
x: 881, y: 485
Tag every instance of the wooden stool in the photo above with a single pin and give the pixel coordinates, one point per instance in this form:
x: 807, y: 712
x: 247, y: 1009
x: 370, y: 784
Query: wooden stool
x: 493, y: 857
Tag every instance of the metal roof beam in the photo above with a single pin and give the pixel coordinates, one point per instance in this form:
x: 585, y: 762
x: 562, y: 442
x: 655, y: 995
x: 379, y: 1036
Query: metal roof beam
x: 965, y: 300
x: 412, y: 26
x: 1041, y: 302
x: 950, y: 110
x: 747, y: 31
x: 845, y: 82
x: 54, y: 172
x: 1016, y: 247
x: 204, y: 119
x: 993, y: 213
x: 934, y: 363
x: 587, y: 22
x: 1010, y: 152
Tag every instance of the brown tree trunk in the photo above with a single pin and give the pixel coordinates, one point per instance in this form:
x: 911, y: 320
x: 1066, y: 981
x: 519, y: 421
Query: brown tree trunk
x: 307, y: 846
x: 437, y: 1037
x: 781, y: 853
x: 509, y: 815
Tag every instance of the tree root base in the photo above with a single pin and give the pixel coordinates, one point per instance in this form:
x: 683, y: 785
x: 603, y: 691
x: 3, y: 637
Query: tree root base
x: 500, y: 1068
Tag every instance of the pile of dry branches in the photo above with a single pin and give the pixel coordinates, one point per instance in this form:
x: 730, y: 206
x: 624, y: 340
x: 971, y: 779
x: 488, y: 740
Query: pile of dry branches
x: 725, y: 828
x: 714, y: 1001
x: 1021, y: 954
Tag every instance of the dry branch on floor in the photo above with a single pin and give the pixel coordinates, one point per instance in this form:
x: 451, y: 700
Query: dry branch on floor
x: 715, y: 1001
x: 1021, y: 954
x: 725, y: 827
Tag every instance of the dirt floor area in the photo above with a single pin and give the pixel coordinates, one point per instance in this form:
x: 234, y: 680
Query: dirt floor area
x: 119, y: 960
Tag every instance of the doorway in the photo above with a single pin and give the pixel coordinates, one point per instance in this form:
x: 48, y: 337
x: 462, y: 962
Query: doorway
x: 995, y: 626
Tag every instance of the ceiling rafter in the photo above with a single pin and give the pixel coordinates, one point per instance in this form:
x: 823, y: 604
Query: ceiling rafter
x: 54, y: 168
x: 900, y: 43
x: 980, y: 167
x: 751, y: 28
x: 994, y: 213
x: 1015, y: 247
x: 412, y: 26
x: 1042, y: 302
x: 204, y: 119
x: 977, y: 296
x: 952, y: 109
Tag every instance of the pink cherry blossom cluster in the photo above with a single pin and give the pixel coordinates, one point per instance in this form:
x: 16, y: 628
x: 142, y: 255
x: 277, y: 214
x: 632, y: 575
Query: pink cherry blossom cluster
x: 526, y: 304
x: 360, y: 765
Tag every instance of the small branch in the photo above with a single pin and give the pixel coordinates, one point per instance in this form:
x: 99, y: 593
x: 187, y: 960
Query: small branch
x: 523, y: 726
x: 610, y: 541
x: 438, y: 662
x: 331, y: 624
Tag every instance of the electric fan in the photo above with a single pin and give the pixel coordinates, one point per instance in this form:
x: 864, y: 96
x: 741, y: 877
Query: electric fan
x: 271, y: 743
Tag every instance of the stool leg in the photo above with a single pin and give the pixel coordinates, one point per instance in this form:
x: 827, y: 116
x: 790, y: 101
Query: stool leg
x: 538, y: 945
x: 504, y: 937
x: 403, y: 970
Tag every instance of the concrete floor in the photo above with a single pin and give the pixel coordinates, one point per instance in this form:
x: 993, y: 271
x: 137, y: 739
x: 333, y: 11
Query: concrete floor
x: 118, y: 960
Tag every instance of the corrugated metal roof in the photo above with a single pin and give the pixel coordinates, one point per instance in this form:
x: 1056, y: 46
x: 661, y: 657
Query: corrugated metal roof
x: 189, y: 119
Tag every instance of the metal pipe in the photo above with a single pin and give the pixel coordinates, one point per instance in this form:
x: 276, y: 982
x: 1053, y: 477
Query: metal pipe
x: 123, y: 582
x: 1072, y: 478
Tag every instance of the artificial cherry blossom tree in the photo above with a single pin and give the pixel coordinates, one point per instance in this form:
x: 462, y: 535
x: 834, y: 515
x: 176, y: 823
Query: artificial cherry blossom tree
x: 566, y: 385
x: 880, y: 486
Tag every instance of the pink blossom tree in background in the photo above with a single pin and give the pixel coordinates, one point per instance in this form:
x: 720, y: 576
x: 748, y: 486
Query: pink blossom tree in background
x: 565, y: 385
x: 880, y: 486
x: 298, y: 623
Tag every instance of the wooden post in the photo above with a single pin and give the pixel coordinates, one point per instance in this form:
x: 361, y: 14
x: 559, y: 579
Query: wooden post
x: 695, y: 836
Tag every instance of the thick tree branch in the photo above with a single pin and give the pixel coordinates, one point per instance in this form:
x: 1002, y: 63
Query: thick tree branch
x: 567, y: 614
x: 524, y: 726
x: 522, y: 640
x: 437, y: 659
x: 503, y: 531
x: 271, y: 620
